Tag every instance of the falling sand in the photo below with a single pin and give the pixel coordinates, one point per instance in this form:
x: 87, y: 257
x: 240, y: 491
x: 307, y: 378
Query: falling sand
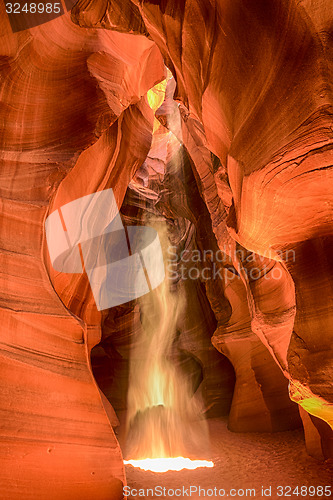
x: 164, y: 418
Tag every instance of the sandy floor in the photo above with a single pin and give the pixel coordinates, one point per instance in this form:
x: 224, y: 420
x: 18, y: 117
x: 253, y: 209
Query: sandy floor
x: 242, y: 461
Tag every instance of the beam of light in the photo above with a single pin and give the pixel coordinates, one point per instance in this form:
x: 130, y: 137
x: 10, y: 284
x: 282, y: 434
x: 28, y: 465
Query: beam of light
x: 165, y: 413
x: 168, y: 464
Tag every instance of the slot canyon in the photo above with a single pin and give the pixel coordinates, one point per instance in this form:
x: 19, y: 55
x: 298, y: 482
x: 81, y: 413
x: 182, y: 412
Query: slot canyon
x: 166, y: 191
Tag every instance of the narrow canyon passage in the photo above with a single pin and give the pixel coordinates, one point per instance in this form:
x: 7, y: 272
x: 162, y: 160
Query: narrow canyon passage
x: 166, y: 238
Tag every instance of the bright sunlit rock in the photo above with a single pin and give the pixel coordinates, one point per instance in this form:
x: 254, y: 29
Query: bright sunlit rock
x: 168, y: 464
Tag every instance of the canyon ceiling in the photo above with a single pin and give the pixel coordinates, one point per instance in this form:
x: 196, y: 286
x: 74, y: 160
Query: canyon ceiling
x: 248, y: 105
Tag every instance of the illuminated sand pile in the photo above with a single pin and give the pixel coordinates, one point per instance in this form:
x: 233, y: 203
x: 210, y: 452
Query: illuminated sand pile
x: 168, y: 464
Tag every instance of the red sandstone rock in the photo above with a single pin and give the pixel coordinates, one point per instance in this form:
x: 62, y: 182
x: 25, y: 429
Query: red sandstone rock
x: 258, y: 76
x: 255, y: 87
x: 76, y: 121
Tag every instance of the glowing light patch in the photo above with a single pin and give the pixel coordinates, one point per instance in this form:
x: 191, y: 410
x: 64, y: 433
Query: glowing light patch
x: 313, y: 404
x: 156, y: 95
x: 168, y: 464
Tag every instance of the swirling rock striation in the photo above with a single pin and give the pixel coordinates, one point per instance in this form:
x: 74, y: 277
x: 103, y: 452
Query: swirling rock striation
x: 254, y: 88
x: 258, y: 77
x: 74, y: 121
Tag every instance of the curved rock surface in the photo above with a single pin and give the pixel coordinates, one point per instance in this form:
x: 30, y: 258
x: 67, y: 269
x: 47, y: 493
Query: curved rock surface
x: 266, y: 114
x: 71, y: 109
x: 253, y: 110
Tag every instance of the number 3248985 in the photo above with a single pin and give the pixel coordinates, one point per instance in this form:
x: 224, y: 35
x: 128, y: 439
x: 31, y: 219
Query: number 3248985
x: 33, y: 8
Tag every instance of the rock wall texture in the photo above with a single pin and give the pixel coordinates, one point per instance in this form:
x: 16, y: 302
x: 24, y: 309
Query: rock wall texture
x: 251, y: 104
x: 74, y: 121
x: 257, y: 79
